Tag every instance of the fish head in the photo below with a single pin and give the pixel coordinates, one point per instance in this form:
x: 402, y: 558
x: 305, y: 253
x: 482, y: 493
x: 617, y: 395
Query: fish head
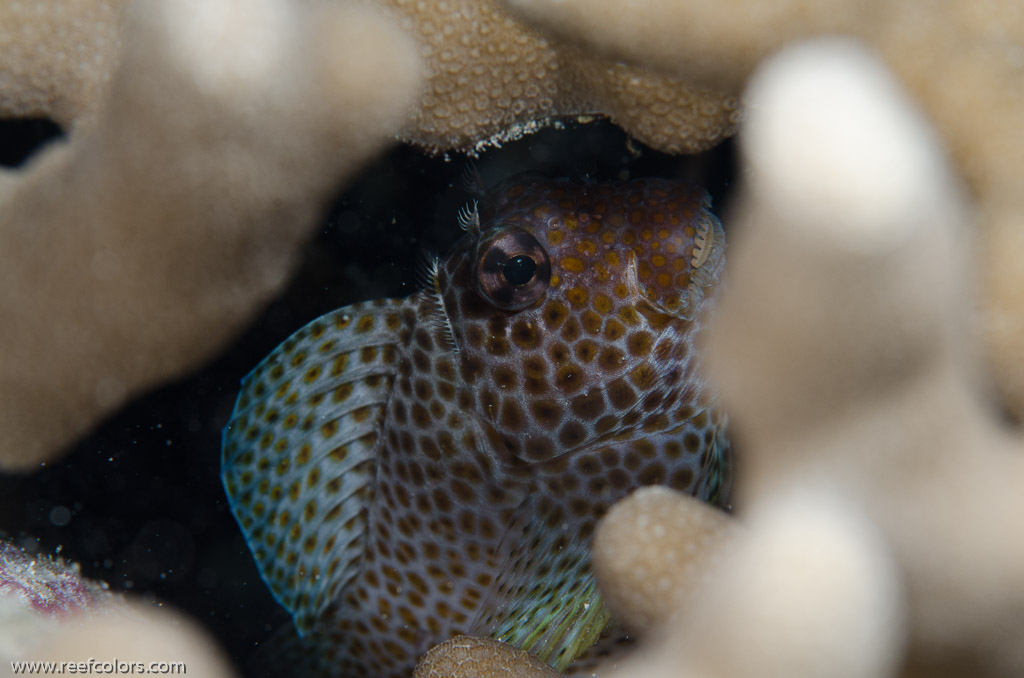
x: 573, y: 308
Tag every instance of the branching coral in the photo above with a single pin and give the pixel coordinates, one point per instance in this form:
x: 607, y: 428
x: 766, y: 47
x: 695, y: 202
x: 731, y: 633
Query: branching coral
x: 653, y: 554
x: 136, y: 249
x: 854, y: 373
x: 58, y: 58
x: 490, y: 76
x: 482, y: 658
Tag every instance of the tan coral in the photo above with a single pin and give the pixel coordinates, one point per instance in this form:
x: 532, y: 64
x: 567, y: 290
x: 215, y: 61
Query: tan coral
x: 131, y: 639
x: 490, y: 76
x: 182, y: 210
x: 807, y: 590
x: 845, y: 356
x: 58, y: 57
x: 653, y: 553
x: 470, y: 657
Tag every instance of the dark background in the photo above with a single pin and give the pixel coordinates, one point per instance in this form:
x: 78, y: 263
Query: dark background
x: 139, y: 504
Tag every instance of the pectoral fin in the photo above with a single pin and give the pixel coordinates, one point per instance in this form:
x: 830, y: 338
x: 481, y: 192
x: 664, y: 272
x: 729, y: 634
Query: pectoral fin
x: 545, y: 600
x: 300, y: 450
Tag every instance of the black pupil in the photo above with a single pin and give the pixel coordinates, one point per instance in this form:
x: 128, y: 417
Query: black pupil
x: 519, y: 270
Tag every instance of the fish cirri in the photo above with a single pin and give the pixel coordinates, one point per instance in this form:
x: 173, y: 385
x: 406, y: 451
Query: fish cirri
x: 409, y: 469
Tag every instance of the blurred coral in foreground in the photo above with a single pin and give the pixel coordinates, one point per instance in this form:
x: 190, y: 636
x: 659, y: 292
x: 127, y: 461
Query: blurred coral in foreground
x: 175, y: 209
x: 49, y: 613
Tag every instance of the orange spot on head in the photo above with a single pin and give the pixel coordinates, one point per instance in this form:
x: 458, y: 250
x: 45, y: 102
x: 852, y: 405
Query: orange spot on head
x: 608, y: 237
x: 577, y: 296
x: 572, y: 264
x: 586, y: 247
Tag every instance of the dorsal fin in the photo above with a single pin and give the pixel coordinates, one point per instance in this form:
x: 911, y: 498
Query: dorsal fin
x: 299, y: 452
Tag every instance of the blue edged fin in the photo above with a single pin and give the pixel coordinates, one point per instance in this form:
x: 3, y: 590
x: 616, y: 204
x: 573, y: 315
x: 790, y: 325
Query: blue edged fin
x: 300, y: 450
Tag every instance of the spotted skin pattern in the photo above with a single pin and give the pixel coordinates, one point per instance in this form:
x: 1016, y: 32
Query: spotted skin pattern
x: 405, y: 470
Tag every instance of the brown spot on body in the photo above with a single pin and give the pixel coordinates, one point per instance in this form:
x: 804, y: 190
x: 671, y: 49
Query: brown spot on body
x: 571, y: 330
x: 512, y: 415
x: 420, y: 416
x: 577, y: 296
x: 569, y: 378
x: 639, y: 344
x: 591, y: 322
x: 538, y: 448
x: 423, y: 389
x: 588, y: 406
x: 547, y: 413
x: 571, y: 434
x: 497, y: 345
x: 365, y: 324
x: 525, y: 335
x: 611, y: 359
x: 446, y: 390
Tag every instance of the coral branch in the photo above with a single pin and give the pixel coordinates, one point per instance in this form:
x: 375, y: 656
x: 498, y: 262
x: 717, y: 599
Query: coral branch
x: 137, y: 249
x: 58, y: 57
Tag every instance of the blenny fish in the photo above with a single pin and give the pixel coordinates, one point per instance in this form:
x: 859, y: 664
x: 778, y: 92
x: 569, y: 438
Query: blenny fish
x: 409, y: 469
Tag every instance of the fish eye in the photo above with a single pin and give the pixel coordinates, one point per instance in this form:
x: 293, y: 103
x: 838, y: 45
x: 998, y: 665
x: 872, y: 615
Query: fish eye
x: 513, y: 270
x: 519, y: 270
